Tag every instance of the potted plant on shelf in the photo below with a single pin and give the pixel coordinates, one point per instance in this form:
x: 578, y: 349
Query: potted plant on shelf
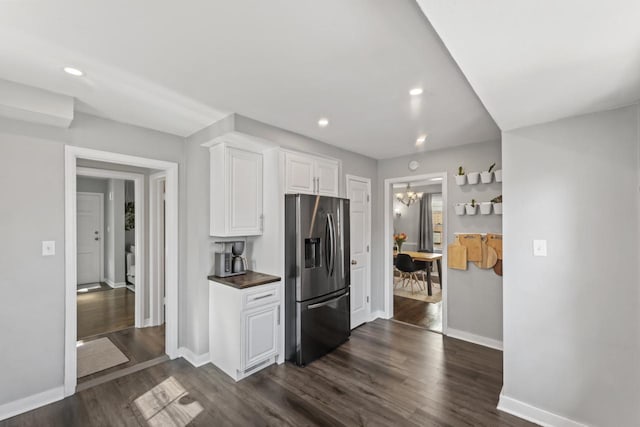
x: 400, y: 238
x: 485, y: 208
x: 487, y: 175
x: 461, y: 178
x: 459, y: 208
x: 471, y: 208
x: 497, y: 205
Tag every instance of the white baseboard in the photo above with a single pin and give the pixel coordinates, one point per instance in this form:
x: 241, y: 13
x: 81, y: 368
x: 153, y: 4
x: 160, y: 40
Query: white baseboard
x: 533, y: 414
x: 115, y: 285
x: 28, y: 403
x: 196, y: 360
x: 476, y: 339
x: 378, y: 314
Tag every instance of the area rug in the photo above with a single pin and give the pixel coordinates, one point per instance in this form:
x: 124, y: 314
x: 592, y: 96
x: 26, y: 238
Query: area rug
x: 419, y: 294
x: 98, y: 355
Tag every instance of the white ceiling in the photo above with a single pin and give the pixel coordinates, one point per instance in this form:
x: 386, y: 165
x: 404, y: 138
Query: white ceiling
x: 533, y: 61
x: 178, y: 66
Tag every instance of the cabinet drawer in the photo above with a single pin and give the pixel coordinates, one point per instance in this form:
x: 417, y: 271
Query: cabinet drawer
x: 261, y: 295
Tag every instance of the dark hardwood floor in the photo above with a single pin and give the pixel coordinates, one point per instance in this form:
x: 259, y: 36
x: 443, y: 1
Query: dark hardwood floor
x: 418, y: 313
x: 388, y: 374
x: 105, y: 311
x: 139, y: 345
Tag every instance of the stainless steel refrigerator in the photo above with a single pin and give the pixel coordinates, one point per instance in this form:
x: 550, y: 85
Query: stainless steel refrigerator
x: 317, y: 276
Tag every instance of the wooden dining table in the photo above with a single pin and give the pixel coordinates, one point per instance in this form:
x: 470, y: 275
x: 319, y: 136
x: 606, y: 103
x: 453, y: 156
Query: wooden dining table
x: 429, y: 258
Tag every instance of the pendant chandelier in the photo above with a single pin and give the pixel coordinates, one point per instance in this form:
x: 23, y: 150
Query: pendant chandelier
x: 408, y: 197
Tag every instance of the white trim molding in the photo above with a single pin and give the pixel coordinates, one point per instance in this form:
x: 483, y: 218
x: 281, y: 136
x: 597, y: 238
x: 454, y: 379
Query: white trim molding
x: 72, y: 153
x: 534, y: 414
x: 196, y: 360
x: 378, y: 314
x: 473, y: 338
x: 20, y: 406
x: 114, y: 285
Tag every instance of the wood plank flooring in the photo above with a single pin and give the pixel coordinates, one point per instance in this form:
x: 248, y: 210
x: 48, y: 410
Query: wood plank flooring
x: 388, y: 374
x: 139, y: 345
x: 418, y: 313
x: 105, y: 311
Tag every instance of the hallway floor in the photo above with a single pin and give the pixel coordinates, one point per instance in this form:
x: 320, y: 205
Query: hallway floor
x: 105, y: 311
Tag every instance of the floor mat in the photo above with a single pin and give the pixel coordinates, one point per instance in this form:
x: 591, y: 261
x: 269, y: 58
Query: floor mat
x: 98, y: 355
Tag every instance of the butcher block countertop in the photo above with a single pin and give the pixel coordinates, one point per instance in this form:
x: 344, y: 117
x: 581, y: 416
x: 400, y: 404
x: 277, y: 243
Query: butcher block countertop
x: 247, y: 280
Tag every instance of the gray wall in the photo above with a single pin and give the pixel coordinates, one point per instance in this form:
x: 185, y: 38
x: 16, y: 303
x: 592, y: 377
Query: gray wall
x: 32, y: 210
x: 572, y: 323
x: 474, y: 296
x: 115, y: 235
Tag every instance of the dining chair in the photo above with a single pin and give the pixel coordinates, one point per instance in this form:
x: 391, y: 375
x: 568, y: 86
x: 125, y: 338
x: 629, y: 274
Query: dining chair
x: 408, y: 268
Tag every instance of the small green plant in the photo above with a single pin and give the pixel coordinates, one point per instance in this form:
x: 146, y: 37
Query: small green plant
x: 460, y: 171
x: 473, y: 203
x: 497, y: 199
x: 491, y: 167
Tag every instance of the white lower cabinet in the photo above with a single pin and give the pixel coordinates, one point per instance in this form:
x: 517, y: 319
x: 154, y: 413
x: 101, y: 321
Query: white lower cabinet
x: 244, y: 327
x: 260, y: 327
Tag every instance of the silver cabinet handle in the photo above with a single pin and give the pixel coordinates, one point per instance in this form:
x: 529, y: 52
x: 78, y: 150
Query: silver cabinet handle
x: 261, y: 296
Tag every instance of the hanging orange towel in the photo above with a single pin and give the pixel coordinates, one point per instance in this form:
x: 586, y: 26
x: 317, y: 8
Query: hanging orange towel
x: 495, y: 241
x: 473, y: 243
x: 457, y: 255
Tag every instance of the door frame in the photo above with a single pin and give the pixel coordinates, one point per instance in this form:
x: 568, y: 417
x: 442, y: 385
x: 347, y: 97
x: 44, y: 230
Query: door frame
x: 367, y: 181
x: 139, y: 198
x: 388, y: 238
x: 72, y: 154
x: 156, y: 248
x: 101, y: 221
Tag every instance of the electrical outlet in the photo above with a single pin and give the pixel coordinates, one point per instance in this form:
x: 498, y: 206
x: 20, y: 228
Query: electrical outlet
x: 48, y: 247
x: 539, y: 248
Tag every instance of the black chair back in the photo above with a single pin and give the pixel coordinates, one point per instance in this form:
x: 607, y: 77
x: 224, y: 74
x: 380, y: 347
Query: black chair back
x: 405, y: 263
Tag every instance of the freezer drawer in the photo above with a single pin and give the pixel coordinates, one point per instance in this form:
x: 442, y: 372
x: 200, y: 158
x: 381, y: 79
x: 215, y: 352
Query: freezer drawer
x: 324, y: 325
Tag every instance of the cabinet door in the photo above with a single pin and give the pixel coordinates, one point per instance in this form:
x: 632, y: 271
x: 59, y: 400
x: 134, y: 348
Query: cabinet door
x: 299, y: 174
x: 328, y: 174
x: 244, y: 192
x: 260, y: 335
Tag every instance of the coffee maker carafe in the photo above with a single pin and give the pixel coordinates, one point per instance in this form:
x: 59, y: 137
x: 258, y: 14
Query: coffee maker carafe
x: 239, y: 263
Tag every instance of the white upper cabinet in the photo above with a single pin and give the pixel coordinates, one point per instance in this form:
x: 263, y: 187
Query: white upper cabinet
x: 310, y: 174
x: 300, y: 174
x: 235, y: 192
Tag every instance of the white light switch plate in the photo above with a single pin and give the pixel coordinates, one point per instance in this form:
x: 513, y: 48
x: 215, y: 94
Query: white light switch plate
x: 539, y: 248
x: 48, y: 247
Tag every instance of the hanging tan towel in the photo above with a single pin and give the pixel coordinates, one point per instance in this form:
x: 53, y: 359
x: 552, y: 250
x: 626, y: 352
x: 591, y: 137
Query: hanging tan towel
x: 489, y: 256
x: 495, y: 241
x: 457, y: 255
x: 473, y: 243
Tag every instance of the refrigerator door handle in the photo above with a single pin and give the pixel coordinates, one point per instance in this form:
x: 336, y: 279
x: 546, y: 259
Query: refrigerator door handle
x: 327, y: 302
x: 332, y: 235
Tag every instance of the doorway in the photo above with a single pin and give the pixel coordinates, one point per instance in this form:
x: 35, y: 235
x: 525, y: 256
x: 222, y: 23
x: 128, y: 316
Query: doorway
x: 112, y: 345
x: 415, y: 277
x: 359, y: 195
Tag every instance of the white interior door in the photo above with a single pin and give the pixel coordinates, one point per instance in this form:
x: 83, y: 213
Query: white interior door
x: 358, y: 192
x: 90, y: 226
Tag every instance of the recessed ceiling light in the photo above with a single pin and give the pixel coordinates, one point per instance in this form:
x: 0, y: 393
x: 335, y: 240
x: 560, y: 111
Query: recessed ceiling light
x: 415, y: 91
x: 73, y: 71
x: 421, y: 139
x: 323, y: 122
